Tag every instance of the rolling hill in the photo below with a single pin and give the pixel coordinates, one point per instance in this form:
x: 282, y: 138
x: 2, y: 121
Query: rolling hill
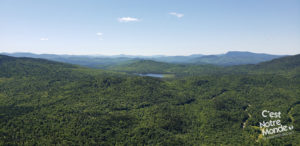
x: 234, y: 58
x: 228, y: 59
x: 50, y: 103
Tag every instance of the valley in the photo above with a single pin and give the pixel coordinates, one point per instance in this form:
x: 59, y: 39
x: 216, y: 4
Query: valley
x: 48, y: 103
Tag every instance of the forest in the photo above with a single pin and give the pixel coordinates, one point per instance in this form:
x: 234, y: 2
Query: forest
x: 45, y: 102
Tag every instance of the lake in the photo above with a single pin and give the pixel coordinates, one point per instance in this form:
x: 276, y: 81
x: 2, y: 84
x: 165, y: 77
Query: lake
x: 152, y: 75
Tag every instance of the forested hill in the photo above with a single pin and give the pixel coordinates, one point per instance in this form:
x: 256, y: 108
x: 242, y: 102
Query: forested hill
x: 100, y: 61
x: 234, y: 58
x: 284, y: 63
x: 144, y: 66
x: 289, y: 65
x: 179, y: 70
x: 11, y: 66
x: 50, y: 103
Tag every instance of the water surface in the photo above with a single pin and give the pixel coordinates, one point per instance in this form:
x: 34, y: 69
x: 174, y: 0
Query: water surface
x: 152, y: 75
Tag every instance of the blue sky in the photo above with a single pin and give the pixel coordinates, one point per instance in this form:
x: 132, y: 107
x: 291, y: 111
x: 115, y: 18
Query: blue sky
x: 150, y: 27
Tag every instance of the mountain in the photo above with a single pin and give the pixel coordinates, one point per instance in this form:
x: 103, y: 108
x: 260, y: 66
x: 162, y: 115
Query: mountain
x: 11, y: 66
x: 44, y: 102
x: 287, y: 65
x: 176, y: 59
x: 83, y: 60
x: 178, y: 70
x: 96, y: 61
x: 234, y: 58
x: 144, y: 66
x: 284, y: 63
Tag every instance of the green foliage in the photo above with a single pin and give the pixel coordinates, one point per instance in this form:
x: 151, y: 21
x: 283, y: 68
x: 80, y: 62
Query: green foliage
x: 50, y: 103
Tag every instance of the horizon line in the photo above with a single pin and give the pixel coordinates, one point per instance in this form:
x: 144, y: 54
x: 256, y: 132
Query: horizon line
x: 122, y: 54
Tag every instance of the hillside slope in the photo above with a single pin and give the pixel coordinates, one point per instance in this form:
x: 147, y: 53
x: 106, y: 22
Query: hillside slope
x: 49, y: 103
x: 234, y: 58
x: 228, y: 59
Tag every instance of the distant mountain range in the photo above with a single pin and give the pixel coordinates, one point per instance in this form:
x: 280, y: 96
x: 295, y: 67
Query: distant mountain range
x: 100, y: 61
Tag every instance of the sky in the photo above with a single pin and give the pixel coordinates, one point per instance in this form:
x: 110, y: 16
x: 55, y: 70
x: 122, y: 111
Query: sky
x: 149, y: 27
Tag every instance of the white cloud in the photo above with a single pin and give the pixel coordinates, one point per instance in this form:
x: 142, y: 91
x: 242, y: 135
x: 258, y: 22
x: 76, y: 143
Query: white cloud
x: 99, y: 34
x: 44, y: 39
x: 128, y: 19
x: 178, y: 15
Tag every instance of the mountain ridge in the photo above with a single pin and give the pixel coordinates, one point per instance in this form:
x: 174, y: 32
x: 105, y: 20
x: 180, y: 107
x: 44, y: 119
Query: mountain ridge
x: 228, y: 59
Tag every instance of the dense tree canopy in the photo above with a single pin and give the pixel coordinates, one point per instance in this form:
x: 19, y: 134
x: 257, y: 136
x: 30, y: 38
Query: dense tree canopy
x: 47, y: 103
